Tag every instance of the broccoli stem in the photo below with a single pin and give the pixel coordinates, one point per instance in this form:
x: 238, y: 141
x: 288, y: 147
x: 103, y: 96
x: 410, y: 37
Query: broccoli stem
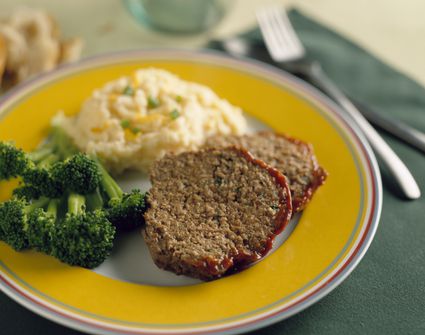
x: 39, y: 154
x: 44, y: 156
x: 109, y: 185
x: 62, y: 143
x: 57, y: 147
x: 48, y: 148
x: 58, y: 143
x: 94, y: 200
x: 39, y: 203
x: 52, y: 208
x: 125, y: 210
x: 58, y: 167
x: 84, y: 238
x: 48, y: 160
x: 76, y: 203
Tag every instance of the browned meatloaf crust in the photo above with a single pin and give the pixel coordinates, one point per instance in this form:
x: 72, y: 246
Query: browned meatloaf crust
x: 214, y: 211
x: 294, y: 158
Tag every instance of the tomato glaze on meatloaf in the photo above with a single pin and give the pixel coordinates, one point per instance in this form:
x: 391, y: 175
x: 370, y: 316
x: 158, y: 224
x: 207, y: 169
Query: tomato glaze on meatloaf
x: 293, y: 157
x: 214, y: 211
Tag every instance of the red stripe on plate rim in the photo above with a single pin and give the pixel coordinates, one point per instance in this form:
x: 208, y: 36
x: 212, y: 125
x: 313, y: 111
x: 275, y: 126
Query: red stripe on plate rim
x: 255, y: 323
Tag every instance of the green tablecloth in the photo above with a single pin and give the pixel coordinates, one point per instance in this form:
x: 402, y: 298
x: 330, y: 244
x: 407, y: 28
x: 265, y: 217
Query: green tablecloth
x: 386, y: 292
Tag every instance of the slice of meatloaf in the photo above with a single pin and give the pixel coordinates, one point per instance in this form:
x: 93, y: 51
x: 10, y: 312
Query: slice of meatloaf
x: 214, y: 211
x: 294, y: 158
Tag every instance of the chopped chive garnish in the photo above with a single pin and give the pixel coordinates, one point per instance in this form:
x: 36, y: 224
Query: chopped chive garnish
x: 179, y: 98
x: 174, y: 114
x: 153, y: 102
x: 128, y: 90
x: 136, y: 130
x: 125, y: 123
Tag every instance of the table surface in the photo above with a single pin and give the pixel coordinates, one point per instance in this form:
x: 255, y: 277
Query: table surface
x: 393, y: 30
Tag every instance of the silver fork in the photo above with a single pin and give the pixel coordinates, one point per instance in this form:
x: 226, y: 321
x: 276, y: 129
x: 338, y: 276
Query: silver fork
x: 286, y: 49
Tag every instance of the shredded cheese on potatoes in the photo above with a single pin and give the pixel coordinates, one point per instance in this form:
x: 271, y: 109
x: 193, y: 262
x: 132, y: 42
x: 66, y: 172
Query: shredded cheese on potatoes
x: 134, y: 120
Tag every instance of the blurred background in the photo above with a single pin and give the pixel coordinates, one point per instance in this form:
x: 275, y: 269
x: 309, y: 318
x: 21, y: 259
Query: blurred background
x: 393, y: 30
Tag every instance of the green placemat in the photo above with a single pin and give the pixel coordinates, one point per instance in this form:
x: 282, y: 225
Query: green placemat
x: 386, y: 292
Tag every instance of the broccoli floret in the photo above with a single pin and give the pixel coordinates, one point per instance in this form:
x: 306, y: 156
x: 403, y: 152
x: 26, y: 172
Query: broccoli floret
x: 83, y: 238
x: 52, y: 176
x: 125, y: 210
x: 13, y: 161
x: 33, y: 168
x: 50, y: 170
x: 97, y: 206
x: 14, y: 216
x: 59, y: 167
x: 43, y: 179
x: 79, y: 173
x: 27, y: 192
x: 41, y: 227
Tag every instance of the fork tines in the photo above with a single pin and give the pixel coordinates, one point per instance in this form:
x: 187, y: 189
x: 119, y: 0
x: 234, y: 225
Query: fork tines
x: 279, y: 35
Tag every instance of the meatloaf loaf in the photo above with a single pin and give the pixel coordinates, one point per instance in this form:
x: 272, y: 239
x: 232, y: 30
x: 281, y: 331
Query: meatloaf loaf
x: 294, y: 158
x: 214, y: 211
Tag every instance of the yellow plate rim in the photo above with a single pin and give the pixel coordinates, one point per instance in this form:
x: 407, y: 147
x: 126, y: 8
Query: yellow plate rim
x: 255, y: 68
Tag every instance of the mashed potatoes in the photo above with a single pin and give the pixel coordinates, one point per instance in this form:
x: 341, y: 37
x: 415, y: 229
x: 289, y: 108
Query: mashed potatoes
x: 132, y: 121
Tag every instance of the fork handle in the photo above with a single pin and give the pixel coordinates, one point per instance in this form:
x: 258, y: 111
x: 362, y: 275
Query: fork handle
x: 401, y: 130
x: 395, y: 167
